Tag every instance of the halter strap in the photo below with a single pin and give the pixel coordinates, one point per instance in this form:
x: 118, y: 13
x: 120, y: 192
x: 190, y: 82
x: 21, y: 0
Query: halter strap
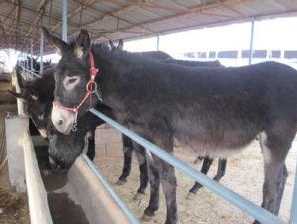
x: 91, y: 86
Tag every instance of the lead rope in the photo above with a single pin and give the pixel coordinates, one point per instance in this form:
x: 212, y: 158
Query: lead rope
x: 74, y: 126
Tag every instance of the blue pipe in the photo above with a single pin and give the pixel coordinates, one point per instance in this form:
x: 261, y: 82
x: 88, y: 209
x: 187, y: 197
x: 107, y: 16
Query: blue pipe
x: 260, y: 214
x: 132, y: 219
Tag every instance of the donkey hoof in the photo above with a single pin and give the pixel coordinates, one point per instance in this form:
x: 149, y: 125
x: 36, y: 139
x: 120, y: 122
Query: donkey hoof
x: 121, y: 182
x: 256, y: 222
x: 146, y: 218
x: 190, y: 195
x: 138, y: 196
x: 46, y: 172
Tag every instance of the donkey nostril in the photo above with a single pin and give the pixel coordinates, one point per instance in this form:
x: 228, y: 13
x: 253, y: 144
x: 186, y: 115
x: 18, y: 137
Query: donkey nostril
x: 60, y: 122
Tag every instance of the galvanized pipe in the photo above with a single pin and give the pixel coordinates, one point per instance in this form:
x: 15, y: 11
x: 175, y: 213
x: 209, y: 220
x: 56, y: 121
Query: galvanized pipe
x: 41, y: 51
x: 255, y: 211
x: 64, y: 20
x: 158, y: 42
x: 115, y: 197
x: 252, y: 41
x: 31, y: 52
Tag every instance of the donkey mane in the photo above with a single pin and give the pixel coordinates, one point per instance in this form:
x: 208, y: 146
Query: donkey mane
x: 102, y: 50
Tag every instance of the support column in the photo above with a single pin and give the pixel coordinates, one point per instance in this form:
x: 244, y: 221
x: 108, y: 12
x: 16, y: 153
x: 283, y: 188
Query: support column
x: 31, y: 52
x: 158, y: 42
x: 41, y: 52
x: 64, y: 20
x: 252, y: 41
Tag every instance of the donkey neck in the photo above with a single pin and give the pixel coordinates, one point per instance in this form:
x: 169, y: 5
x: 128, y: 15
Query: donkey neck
x: 111, y: 67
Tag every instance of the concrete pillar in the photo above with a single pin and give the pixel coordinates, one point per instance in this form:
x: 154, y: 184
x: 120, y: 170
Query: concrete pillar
x: 15, y: 128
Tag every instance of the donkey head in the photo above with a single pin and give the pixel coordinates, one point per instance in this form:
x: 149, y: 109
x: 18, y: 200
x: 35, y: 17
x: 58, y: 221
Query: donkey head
x: 64, y: 149
x: 71, y: 77
x: 37, y: 104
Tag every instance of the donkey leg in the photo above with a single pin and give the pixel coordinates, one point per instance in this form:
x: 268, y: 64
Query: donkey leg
x: 127, y: 150
x: 221, y: 169
x: 275, y: 147
x: 205, y: 167
x: 154, y: 179
x: 91, y: 145
x: 143, y: 168
x: 281, y: 186
x: 198, y: 159
x: 162, y: 170
x: 168, y: 180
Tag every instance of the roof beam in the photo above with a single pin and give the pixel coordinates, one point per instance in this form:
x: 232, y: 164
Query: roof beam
x: 11, y: 13
x: 74, y: 12
x: 111, y: 14
x: 57, y: 19
x: 198, y: 9
x: 100, y: 18
x: 114, y: 15
x: 41, y: 11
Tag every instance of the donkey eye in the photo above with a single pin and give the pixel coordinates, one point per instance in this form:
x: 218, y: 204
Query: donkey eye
x: 70, y: 82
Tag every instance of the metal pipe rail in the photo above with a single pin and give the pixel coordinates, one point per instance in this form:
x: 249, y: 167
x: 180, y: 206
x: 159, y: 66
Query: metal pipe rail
x: 98, y: 201
x: 30, y: 72
x: 125, y: 213
x: 245, y: 205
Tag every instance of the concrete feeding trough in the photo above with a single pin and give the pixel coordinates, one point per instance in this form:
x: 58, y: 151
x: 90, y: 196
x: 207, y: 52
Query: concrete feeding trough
x: 81, y: 196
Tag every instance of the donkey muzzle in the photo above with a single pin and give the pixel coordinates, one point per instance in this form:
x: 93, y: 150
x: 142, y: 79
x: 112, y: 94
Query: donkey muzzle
x: 62, y: 119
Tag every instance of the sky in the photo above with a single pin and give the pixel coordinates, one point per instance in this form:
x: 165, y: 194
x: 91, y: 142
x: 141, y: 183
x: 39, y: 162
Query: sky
x: 280, y: 33
x: 273, y: 34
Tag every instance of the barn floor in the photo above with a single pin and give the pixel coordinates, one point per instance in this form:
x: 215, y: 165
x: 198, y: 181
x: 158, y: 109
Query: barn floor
x: 244, y: 175
x: 13, y: 206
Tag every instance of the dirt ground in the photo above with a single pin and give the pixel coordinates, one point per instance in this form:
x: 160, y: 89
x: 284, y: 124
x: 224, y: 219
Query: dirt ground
x: 13, y: 206
x: 244, y: 175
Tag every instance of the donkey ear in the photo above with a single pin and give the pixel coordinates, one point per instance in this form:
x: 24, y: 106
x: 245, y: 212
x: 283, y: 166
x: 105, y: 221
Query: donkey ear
x: 57, y: 42
x: 121, y: 44
x: 82, y: 44
x: 15, y: 94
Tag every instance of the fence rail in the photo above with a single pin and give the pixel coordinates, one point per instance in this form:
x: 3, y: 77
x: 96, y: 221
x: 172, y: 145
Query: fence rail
x: 98, y: 201
x: 245, y: 205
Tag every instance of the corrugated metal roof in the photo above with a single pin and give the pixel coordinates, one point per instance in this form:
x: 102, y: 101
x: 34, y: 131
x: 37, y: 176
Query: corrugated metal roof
x: 114, y: 19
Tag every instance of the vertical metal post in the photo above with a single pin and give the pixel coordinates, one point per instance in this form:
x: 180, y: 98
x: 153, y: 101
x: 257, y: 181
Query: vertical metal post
x: 41, y: 52
x: 158, y: 42
x: 293, y: 218
x: 252, y: 41
x: 64, y: 20
x: 26, y: 61
x: 31, y: 52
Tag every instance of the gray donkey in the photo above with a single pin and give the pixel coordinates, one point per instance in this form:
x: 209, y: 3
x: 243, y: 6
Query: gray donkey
x: 215, y: 111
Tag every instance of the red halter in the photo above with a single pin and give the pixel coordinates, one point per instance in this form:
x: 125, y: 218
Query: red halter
x: 91, y: 86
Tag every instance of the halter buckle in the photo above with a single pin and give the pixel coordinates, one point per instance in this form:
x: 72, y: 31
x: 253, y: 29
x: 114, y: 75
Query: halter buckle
x: 91, y: 87
x: 93, y: 71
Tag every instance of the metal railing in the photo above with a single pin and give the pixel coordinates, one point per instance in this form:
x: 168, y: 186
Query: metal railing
x: 37, y: 195
x: 132, y: 219
x: 29, y: 74
x: 260, y: 214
